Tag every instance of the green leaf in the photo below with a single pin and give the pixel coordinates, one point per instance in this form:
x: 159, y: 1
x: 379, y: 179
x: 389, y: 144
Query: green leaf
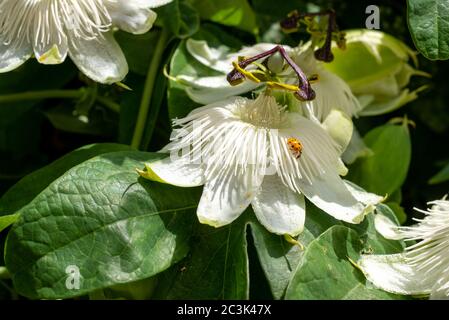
x: 385, y: 171
x: 234, y: 13
x: 317, y: 222
x: 428, y: 21
x: 30, y: 186
x: 137, y: 290
x: 398, y: 212
x: 277, y: 257
x: 327, y: 273
x: 63, y: 118
x: 138, y: 49
x: 6, y: 221
x: 210, y: 247
x: 396, y: 196
x: 181, y: 18
x: 216, y: 267
x: 106, y: 221
x: 441, y: 176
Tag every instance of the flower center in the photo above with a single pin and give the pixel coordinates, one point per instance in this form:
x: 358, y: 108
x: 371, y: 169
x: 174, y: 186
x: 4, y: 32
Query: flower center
x: 46, y: 22
x: 263, y: 112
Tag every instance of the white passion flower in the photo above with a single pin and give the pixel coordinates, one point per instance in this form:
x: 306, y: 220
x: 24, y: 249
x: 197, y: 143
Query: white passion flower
x: 247, y: 151
x: 423, y: 268
x: 82, y: 29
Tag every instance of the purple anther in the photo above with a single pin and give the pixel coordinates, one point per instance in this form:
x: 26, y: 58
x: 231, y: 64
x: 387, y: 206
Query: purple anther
x: 291, y: 22
x: 235, y: 77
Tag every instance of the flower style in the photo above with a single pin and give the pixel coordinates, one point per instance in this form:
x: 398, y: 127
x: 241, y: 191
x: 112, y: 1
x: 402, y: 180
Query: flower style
x: 53, y: 29
x: 423, y: 268
x: 247, y: 151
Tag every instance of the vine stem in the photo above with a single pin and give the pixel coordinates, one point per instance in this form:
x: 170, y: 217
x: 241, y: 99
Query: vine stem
x: 109, y: 104
x: 148, y: 89
x: 56, y: 94
x: 40, y: 95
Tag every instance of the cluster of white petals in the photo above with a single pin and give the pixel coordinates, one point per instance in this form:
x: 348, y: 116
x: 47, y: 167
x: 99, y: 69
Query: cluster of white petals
x: 423, y: 268
x: 51, y: 30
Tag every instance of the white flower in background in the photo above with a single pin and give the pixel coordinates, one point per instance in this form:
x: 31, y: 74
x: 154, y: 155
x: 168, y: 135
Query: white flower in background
x: 53, y: 29
x: 331, y: 91
x: 254, y: 152
x: 376, y: 67
x: 423, y: 269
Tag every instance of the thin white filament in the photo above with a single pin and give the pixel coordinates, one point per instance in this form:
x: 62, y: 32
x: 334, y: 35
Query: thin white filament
x: 46, y: 22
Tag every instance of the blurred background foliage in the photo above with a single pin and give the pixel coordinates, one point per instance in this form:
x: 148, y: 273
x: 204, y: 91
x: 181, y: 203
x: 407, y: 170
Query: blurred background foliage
x: 35, y: 133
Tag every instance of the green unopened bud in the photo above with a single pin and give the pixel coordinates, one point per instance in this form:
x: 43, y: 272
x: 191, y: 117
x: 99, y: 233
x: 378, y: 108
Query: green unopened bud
x: 340, y: 128
x: 376, y: 67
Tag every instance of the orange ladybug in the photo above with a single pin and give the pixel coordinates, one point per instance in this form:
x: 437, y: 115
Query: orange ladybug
x: 295, y: 146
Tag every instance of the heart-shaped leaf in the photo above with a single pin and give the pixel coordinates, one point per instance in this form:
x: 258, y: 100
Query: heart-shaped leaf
x: 428, y: 21
x: 326, y: 271
x: 385, y: 171
x: 99, y: 224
